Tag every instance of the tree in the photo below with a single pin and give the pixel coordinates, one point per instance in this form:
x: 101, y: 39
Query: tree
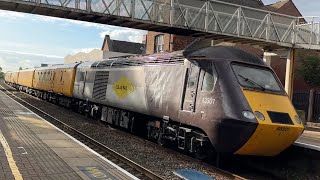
x: 20, y: 68
x: 1, y: 74
x: 309, y: 70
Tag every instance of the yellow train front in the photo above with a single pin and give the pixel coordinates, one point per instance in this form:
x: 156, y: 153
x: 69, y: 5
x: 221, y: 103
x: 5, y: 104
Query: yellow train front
x: 249, y: 112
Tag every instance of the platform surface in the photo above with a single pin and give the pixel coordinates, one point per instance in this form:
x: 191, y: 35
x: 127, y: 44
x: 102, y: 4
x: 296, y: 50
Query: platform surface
x: 32, y: 148
x: 309, y: 139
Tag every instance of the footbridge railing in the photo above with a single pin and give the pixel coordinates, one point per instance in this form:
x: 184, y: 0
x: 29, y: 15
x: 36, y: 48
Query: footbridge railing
x: 208, y: 18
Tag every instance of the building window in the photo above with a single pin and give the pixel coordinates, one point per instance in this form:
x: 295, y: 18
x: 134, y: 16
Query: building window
x: 159, y: 43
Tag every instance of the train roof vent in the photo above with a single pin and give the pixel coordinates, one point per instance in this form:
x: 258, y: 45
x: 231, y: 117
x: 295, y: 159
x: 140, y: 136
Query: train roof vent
x: 157, y: 59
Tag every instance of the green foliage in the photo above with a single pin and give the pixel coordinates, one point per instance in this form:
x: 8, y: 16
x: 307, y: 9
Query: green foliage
x: 20, y: 68
x: 310, y: 70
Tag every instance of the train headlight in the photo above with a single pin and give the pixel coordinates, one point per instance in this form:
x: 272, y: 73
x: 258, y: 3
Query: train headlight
x: 248, y: 114
x: 259, y: 115
x: 298, y: 120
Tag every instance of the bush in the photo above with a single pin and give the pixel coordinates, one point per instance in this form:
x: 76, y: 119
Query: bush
x: 310, y: 70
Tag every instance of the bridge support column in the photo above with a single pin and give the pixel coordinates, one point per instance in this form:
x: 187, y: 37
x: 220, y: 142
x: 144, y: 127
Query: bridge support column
x: 290, y: 72
x: 267, y: 58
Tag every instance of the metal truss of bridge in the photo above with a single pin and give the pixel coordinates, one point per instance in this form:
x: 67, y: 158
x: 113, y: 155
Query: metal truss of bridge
x: 198, y: 18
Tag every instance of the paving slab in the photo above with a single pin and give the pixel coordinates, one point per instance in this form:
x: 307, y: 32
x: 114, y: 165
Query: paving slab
x: 309, y: 139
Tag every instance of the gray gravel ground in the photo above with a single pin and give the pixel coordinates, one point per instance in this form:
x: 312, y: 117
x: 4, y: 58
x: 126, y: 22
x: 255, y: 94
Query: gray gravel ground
x: 150, y: 155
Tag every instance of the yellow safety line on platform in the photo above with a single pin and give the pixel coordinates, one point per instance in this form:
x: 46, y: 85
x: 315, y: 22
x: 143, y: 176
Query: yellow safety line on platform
x: 12, y: 163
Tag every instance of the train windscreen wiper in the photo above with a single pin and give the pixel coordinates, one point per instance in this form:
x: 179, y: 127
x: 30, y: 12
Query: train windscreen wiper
x: 252, y: 82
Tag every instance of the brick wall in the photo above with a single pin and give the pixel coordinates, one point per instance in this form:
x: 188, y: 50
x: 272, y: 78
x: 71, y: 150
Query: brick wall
x: 171, y: 42
x: 289, y: 9
x: 150, y: 41
x: 279, y: 66
x: 181, y: 42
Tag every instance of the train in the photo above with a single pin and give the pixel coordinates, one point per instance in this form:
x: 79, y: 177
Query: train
x: 211, y: 100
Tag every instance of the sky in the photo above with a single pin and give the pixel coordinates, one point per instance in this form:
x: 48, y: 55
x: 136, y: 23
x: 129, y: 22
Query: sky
x: 28, y: 40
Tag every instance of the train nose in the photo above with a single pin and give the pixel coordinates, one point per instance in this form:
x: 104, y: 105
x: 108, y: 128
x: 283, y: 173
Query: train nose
x: 278, y: 124
x: 269, y: 139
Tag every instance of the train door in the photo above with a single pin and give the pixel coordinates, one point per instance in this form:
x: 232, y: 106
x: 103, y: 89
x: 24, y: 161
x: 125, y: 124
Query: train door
x: 84, y: 82
x: 191, y: 86
x: 81, y: 82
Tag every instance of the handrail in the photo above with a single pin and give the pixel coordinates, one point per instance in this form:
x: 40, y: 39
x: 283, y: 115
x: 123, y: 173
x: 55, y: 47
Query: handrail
x: 205, y: 16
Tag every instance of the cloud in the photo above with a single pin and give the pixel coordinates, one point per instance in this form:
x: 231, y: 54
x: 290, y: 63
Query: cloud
x: 32, y: 54
x: 10, y: 61
x: 125, y: 35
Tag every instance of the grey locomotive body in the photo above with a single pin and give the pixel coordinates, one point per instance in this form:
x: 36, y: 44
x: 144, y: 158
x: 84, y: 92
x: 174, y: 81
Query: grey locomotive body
x: 201, y: 101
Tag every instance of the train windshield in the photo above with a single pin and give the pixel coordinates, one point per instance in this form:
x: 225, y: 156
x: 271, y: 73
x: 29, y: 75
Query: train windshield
x: 257, y: 78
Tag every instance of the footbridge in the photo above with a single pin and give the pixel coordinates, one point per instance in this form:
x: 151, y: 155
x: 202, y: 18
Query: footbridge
x: 212, y: 19
x: 199, y: 18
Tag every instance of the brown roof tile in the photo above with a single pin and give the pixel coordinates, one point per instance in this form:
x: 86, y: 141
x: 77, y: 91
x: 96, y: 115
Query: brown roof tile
x: 275, y: 6
x: 250, y: 3
x: 122, y: 46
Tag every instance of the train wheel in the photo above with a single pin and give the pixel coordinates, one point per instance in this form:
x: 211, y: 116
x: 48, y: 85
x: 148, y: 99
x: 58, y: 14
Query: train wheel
x: 205, y: 153
x: 161, y: 141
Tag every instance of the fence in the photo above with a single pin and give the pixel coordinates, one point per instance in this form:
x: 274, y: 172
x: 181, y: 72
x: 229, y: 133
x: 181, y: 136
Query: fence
x: 301, y: 102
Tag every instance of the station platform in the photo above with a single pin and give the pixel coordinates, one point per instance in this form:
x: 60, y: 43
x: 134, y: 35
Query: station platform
x: 32, y: 148
x: 309, y: 139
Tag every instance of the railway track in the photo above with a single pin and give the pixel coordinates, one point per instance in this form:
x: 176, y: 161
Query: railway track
x: 125, y: 163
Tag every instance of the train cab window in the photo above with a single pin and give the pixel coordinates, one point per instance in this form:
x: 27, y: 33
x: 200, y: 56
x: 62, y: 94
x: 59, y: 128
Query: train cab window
x: 209, y: 80
x: 193, y: 76
x: 256, y: 78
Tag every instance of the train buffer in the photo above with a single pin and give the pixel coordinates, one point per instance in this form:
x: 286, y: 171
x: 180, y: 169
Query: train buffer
x: 32, y: 148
